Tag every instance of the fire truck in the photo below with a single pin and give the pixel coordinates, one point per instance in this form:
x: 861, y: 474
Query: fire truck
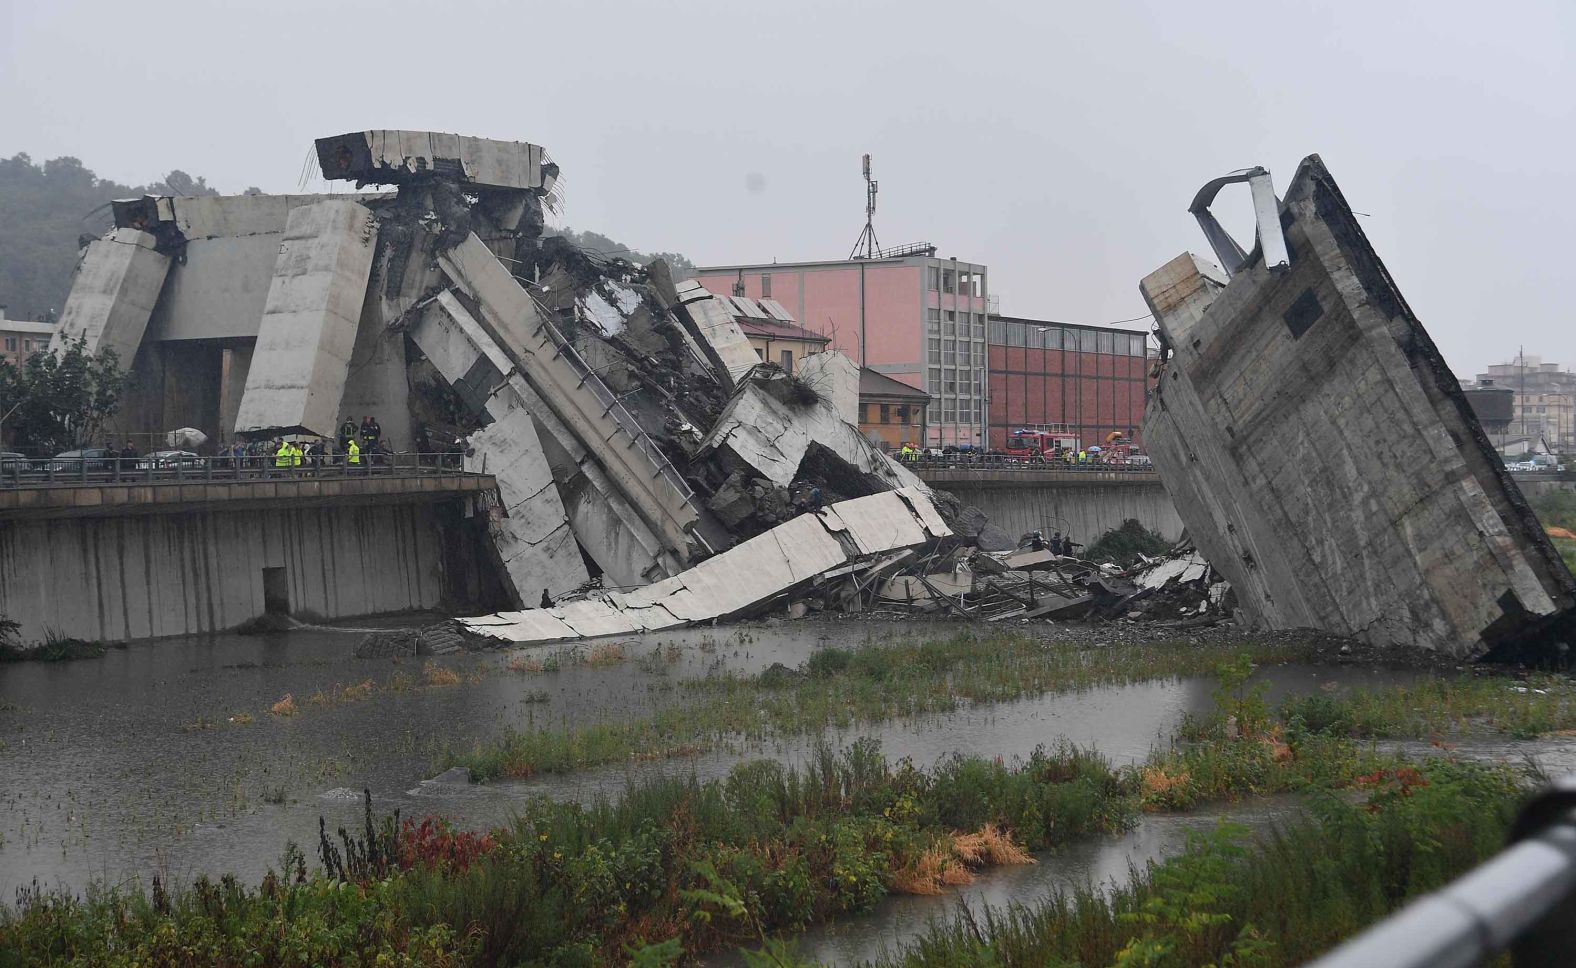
x: 1040, y: 445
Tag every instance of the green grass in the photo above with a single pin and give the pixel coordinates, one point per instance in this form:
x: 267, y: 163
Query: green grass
x: 1567, y: 550
x: 840, y: 687
x: 1227, y: 900
x: 1463, y: 706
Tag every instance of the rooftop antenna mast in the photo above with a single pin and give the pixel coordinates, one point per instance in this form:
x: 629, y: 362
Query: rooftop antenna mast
x: 866, y: 246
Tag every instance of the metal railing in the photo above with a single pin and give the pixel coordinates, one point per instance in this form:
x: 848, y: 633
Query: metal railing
x: 69, y: 471
x: 613, y: 406
x: 1003, y: 462
x: 1522, y: 900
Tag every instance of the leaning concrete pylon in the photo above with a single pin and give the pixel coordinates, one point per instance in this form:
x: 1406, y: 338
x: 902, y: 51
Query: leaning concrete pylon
x: 116, y: 287
x: 1321, y: 453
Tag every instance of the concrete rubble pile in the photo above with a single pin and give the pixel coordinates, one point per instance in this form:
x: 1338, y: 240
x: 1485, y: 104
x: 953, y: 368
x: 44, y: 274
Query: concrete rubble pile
x: 651, y: 470
x: 1321, y: 453
x: 968, y: 583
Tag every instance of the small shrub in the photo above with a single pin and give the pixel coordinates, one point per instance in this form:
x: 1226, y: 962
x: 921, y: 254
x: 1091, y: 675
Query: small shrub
x: 606, y: 654
x: 284, y: 707
x: 436, y: 675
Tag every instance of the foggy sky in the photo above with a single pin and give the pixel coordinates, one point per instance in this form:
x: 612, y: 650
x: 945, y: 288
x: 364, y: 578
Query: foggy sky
x: 1057, y: 143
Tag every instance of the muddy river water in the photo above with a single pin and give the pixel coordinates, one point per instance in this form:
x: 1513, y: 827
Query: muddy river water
x: 142, y: 762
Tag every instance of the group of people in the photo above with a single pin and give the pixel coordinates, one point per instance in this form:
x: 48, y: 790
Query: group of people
x: 357, y: 448
x: 1057, y: 545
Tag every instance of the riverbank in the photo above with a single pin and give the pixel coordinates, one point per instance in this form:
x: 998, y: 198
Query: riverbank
x: 681, y: 866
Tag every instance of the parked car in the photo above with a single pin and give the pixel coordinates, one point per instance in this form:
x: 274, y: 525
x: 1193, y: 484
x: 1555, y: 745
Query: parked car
x: 88, y: 460
x: 171, y: 460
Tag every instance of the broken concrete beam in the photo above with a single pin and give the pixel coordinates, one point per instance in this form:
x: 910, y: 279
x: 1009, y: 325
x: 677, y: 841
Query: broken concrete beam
x: 762, y: 428
x: 113, y: 295
x: 836, y: 378
x: 736, y: 581
x: 387, y: 157
x: 713, y: 318
x: 579, y: 398
x: 535, y: 545
x: 308, y: 329
x: 627, y: 551
x: 1323, y: 458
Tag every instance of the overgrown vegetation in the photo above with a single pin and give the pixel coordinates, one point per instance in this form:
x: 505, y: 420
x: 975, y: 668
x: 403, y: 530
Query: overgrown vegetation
x: 1557, y: 509
x: 1280, y: 901
x: 679, y: 867
x: 702, y: 864
x: 61, y: 401
x: 43, y: 209
x: 54, y: 648
x: 1449, y: 707
x: 1124, y: 543
x: 841, y: 687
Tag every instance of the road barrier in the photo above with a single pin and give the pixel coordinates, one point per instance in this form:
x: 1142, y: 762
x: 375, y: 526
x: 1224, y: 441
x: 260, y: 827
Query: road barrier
x: 67, y: 471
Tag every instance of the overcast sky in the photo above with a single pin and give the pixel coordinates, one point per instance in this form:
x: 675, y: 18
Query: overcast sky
x: 1057, y: 143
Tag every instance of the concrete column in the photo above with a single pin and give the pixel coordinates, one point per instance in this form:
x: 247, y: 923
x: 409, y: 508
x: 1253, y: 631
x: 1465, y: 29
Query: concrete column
x: 116, y: 286
x: 309, y: 322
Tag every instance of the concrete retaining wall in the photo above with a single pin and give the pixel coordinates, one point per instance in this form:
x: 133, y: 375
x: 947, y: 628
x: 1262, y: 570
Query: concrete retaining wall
x: 1084, y: 511
x: 152, y: 575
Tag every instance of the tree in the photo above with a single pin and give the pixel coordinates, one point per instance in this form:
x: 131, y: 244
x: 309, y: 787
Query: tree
x: 61, y: 401
x: 43, y: 210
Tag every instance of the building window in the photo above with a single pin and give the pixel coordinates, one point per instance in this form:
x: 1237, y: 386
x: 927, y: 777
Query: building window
x: 979, y: 284
x: 934, y: 384
x: 934, y: 279
x: 902, y: 414
x: 1016, y: 334
x: 998, y: 331
x: 935, y: 350
x: 949, y: 413
x: 1136, y: 346
x: 766, y: 285
x: 10, y: 344
x: 949, y: 385
x: 948, y: 281
x: 933, y: 322
x: 977, y: 326
x: 886, y: 413
x: 27, y: 346
x: 761, y: 353
x: 1106, y: 342
x: 949, y: 324
x: 1086, y: 340
x: 787, y: 360
x: 949, y: 353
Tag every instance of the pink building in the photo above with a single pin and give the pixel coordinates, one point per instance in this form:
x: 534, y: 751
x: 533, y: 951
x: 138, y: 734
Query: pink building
x: 913, y: 317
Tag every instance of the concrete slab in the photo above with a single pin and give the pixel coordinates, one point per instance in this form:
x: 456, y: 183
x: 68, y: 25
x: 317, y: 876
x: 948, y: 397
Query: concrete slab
x: 736, y: 581
x: 533, y: 539
x: 773, y: 437
x: 836, y: 378
x: 308, y: 329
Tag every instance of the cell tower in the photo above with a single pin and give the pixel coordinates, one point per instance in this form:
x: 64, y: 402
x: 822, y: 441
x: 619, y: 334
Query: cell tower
x: 866, y: 247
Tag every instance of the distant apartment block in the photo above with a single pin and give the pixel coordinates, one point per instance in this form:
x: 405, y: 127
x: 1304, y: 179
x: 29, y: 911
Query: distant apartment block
x: 1545, y: 399
x: 1088, y: 381
x: 891, y: 412
x: 21, y: 338
x: 911, y: 316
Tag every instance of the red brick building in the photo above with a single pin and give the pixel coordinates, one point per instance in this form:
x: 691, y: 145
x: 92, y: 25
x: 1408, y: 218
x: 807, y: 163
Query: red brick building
x: 1045, y: 375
